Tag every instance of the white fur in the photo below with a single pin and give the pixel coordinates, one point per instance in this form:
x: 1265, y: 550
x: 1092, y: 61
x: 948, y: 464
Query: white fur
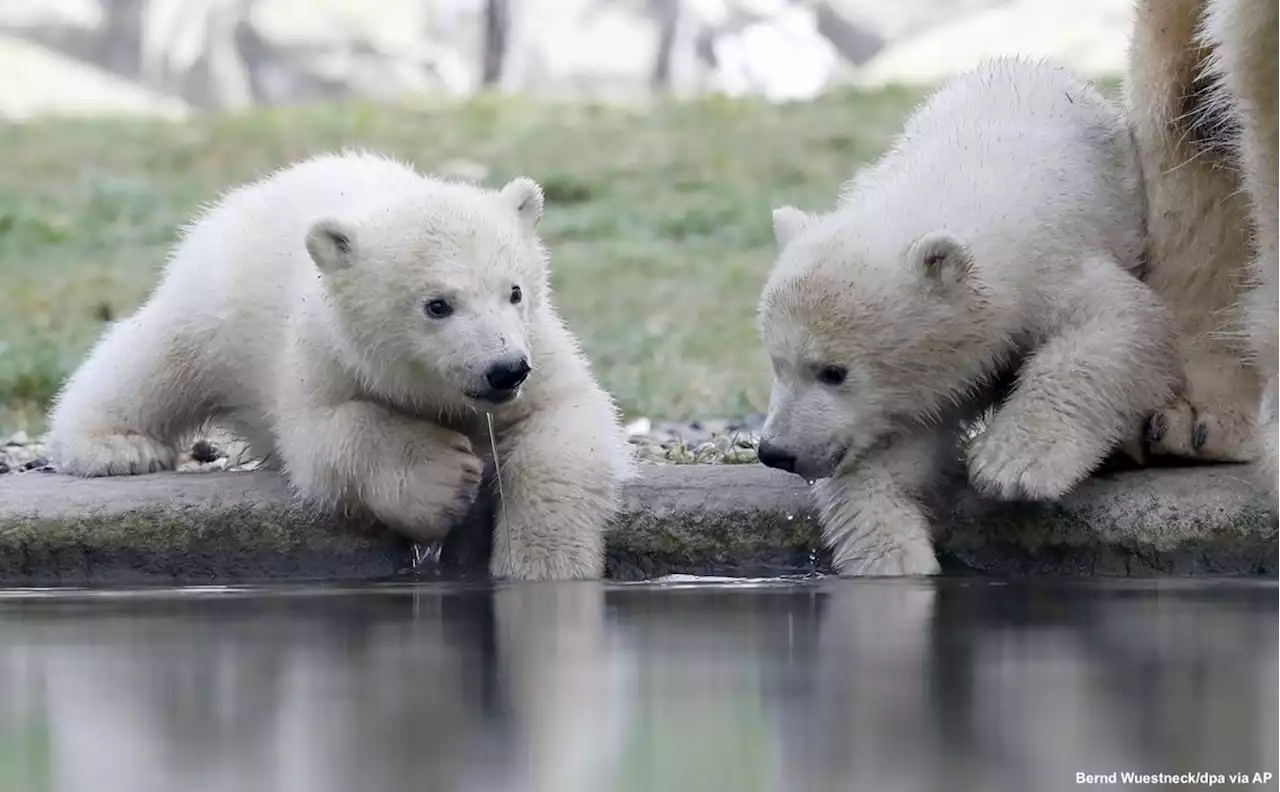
x: 293, y: 312
x: 1243, y: 39
x: 1198, y: 226
x: 1004, y: 226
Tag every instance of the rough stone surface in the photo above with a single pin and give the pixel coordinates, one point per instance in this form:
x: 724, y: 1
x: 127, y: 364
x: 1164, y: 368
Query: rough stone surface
x: 710, y: 519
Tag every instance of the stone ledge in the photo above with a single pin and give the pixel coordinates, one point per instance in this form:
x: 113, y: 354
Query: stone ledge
x: 713, y: 519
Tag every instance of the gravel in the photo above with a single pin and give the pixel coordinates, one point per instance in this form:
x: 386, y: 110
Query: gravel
x: 22, y: 454
x: 709, y: 441
x: 705, y: 441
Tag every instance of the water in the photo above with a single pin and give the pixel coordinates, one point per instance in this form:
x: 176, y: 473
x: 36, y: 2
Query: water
x: 823, y: 686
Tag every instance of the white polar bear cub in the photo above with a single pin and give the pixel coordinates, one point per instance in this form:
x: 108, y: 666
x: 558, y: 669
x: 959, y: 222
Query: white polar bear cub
x: 356, y: 321
x: 1000, y: 239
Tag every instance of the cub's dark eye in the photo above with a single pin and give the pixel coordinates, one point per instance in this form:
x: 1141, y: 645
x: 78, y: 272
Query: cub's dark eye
x: 516, y: 295
x: 833, y: 375
x: 437, y: 309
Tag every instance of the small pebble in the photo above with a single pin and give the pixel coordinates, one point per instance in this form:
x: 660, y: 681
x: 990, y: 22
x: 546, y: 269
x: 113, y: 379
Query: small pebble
x: 639, y: 427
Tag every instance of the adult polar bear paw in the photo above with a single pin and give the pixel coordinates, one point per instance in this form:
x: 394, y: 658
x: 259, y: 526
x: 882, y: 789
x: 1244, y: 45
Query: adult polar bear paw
x: 1181, y: 429
x: 1201, y: 96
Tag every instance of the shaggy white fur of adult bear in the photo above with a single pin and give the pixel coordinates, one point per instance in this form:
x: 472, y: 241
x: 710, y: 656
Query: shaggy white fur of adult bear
x: 999, y: 239
x: 355, y: 321
x: 1197, y: 225
x: 1245, y: 45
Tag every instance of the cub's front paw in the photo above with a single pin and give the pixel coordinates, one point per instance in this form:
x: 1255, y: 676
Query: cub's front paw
x: 523, y: 549
x: 436, y: 489
x: 901, y: 560
x: 1013, y: 465
x: 889, y: 551
x: 525, y: 566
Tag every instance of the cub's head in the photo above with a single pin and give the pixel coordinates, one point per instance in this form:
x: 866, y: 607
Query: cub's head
x: 444, y: 282
x: 867, y: 335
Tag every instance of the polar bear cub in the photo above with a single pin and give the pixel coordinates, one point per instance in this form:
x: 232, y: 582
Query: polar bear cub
x: 990, y: 258
x: 356, y: 321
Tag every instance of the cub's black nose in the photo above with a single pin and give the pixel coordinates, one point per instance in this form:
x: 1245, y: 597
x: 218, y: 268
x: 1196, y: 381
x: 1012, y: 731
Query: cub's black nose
x: 506, y: 375
x: 776, y: 458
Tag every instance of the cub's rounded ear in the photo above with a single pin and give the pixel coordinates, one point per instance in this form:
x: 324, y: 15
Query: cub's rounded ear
x: 331, y: 243
x: 525, y: 196
x: 942, y: 257
x: 788, y: 222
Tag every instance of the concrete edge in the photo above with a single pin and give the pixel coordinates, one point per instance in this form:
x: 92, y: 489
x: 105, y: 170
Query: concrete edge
x: 173, y: 528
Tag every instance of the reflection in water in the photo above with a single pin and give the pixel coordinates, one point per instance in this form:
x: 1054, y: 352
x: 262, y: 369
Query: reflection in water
x: 824, y: 687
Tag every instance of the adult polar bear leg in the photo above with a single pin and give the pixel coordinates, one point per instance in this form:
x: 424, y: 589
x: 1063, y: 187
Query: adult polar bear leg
x: 1245, y: 41
x: 415, y: 476
x: 872, y: 517
x: 1081, y: 393
x: 1197, y: 224
x: 146, y: 385
x: 559, y: 474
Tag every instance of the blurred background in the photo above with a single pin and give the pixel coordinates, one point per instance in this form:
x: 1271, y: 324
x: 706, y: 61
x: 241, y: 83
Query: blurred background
x: 664, y: 131
x: 169, y: 57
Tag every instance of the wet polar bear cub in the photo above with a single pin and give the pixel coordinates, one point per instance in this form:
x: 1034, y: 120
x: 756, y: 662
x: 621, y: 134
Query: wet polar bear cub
x: 356, y: 320
x: 998, y: 242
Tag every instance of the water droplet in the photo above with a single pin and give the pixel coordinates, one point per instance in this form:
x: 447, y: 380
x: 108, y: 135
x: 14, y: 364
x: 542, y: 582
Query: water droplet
x: 790, y: 517
x: 810, y: 482
x: 426, y: 554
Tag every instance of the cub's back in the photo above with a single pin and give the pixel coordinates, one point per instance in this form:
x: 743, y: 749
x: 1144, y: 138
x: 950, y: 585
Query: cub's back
x: 1027, y: 145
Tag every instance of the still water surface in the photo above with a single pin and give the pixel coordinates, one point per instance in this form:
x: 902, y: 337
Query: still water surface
x: 818, y: 686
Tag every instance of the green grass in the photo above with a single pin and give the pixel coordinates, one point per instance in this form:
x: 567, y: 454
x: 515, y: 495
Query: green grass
x: 658, y: 221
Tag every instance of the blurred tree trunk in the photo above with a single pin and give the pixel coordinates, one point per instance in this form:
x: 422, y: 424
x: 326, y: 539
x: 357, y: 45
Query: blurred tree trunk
x: 855, y: 44
x: 497, y: 40
x: 120, y: 36
x: 676, y: 61
x: 227, y: 73
x: 505, y: 45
